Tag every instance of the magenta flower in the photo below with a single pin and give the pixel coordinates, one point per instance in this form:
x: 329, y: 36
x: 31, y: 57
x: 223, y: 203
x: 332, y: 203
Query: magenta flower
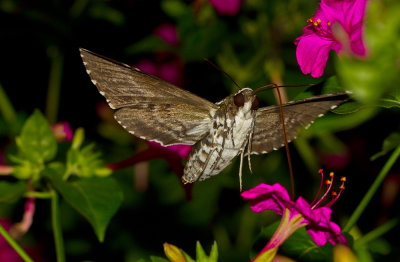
x: 295, y: 214
x: 16, y: 231
x: 62, y: 131
x: 319, y: 38
x: 226, y: 7
x: 168, y: 33
x: 170, y: 71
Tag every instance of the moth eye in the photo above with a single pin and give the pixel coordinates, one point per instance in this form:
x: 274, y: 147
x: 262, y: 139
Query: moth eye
x: 255, y: 103
x: 239, y: 99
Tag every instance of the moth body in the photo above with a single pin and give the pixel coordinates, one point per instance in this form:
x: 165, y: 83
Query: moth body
x: 227, y: 138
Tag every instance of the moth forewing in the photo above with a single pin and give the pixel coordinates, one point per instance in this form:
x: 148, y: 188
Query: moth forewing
x: 147, y: 106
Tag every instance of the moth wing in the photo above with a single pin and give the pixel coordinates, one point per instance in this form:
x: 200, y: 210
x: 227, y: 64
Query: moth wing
x: 268, y: 130
x: 147, y: 106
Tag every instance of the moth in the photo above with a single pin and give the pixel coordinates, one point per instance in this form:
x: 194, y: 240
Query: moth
x: 155, y: 110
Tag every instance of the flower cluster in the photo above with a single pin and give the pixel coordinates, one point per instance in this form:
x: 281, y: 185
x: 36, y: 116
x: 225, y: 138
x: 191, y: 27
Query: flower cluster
x: 321, y: 34
x: 296, y: 214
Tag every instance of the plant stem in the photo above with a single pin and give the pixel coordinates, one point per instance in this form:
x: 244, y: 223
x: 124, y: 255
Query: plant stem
x: 377, y: 232
x: 378, y: 181
x: 41, y: 195
x: 53, y: 92
x: 6, y: 107
x: 55, y: 218
x: 15, y: 245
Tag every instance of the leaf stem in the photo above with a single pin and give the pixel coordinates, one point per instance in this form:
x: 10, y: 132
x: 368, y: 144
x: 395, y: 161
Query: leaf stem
x: 374, y: 187
x: 55, y: 218
x: 53, y: 92
x: 377, y: 232
x: 40, y: 195
x: 6, y: 107
x: 15, y: 245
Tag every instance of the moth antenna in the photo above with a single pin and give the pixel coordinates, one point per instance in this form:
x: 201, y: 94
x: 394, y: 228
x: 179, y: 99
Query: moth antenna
x: 275, y: 86
x: 222, y: 71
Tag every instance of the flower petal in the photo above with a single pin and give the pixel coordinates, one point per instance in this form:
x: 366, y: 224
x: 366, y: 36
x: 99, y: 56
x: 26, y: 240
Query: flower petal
x: 350, y: 14
x: 312, y: 53
x: 226, y: 7
x: 168, y: 33
x: 267, y: 197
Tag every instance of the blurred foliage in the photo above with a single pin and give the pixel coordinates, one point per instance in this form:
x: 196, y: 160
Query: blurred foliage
x: 141, y: 210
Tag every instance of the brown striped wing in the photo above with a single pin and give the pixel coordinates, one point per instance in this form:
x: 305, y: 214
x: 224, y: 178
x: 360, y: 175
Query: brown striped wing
x: 268, y: 130
x: 147, y: 106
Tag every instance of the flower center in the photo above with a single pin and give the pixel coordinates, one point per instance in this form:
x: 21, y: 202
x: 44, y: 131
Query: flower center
x: 329, y: 183
x: 323, y: 29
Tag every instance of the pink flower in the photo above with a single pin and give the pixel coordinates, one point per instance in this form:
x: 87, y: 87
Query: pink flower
x: 182, y: 151
x: 296, y: 214
x: 335, y: 161
x: 168, y: 33
x: 318, y: 37
x: 62, y: 131
x: 16, y: 231
x: 226, y: 7
x: 170, y: 71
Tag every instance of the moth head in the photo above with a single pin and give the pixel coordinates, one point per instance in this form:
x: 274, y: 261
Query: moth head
x: 246, y: 99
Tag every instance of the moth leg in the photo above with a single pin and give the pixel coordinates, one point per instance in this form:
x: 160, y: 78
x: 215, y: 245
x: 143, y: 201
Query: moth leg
x: 233, y: 125
x: 240, y: 171
x: 249, y: 150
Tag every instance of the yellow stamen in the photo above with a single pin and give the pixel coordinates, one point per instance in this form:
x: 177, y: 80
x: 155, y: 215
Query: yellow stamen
x: 318, y: 20
x: 343, y: 179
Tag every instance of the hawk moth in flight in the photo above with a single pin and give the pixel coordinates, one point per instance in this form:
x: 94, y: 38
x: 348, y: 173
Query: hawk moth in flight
x: 155, y: 110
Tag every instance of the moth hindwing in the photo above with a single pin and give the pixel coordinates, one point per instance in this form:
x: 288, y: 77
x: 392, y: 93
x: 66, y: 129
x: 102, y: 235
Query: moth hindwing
x: 155, y: 110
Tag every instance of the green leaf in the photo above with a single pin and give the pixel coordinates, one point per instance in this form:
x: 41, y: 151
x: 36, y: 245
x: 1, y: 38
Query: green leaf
x: 200, y: 254
x: 147, y: 45
x: 107, y: 13
x: 347, y: 108
x: 329, y: 86
x: 37, y: 142
x: 175, y: 8
x: 376, y: 74
x: 214, y: 252
x: 25, y: 169
x: 11, y: 192
x: 97, y: 199
x: 158, y: 259
x: 301, y: 247
x: 298, y: 246
x: 85, y: 162
x: 391, y: 142
x: 389, y: 102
